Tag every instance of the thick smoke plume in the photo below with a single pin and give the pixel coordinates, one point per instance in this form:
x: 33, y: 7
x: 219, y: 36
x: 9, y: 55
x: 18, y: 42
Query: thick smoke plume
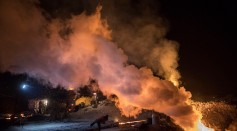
x: 141, y: 34
x: 32, y: 44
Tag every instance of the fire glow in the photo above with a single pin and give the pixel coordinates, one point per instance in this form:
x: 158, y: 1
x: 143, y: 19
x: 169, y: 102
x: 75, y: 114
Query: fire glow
x: 202, y: 127
x: 88, y: 52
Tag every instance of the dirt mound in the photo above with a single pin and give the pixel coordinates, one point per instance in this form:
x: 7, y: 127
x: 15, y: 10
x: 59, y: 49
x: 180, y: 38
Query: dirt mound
x: 108, y: 107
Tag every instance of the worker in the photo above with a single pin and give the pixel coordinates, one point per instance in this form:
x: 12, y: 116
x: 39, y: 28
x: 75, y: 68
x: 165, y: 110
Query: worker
x: 100, y: 120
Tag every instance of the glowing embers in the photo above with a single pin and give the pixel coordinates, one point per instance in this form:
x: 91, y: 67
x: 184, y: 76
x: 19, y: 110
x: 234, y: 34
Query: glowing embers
x: 131, y: 123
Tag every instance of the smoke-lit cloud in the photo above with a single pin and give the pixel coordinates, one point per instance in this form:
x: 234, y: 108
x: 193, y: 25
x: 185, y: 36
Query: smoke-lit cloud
x: 71, y: 51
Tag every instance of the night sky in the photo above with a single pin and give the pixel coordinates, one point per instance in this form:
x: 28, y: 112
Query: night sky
x: 205, y: 31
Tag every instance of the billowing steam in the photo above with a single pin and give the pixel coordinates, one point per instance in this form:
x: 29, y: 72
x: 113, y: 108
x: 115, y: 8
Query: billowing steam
x: 32, y: 44
x: 141, y: 34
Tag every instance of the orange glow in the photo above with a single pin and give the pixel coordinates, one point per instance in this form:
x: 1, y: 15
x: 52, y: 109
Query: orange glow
x: 131, y: 122
x: 174, y: 80
x: 89, y: 52
x: 199, y: 126
x: 116, y: 119
x: 71, y: 88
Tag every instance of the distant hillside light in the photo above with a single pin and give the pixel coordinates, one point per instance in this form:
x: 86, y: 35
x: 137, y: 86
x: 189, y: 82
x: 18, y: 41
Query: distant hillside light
x: 95, y: 95
x: 46, y: 102
x: 24, y: 86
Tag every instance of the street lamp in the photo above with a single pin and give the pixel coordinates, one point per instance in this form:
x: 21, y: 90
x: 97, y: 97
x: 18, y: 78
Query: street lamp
x: 46, y: 102
x: 25, y: 86
x: 95, y: 95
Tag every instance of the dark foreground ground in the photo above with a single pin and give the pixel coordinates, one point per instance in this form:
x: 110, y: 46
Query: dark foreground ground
x: 79, y: 126
x: 81, y: 120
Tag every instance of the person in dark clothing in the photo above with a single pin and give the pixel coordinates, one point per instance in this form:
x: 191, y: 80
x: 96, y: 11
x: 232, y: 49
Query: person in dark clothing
x: 40, y: 107
x: 100, y: 120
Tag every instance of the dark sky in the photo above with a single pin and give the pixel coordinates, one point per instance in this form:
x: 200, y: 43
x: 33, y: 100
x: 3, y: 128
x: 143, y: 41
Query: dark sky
x: 205, y: 31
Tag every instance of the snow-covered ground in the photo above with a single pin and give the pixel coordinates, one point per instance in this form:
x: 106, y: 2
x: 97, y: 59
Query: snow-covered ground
x: 81, y: 120
x: 78, y: 121
x: 57, y: 126
x: 50, y: 126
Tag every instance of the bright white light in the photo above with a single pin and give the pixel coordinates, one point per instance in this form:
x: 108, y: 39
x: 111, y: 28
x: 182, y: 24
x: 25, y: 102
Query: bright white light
x: 24, y: 86
x: 8, y: 118
x: 46, y: 102
x: 95, y: 95
x: 202, y: 127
